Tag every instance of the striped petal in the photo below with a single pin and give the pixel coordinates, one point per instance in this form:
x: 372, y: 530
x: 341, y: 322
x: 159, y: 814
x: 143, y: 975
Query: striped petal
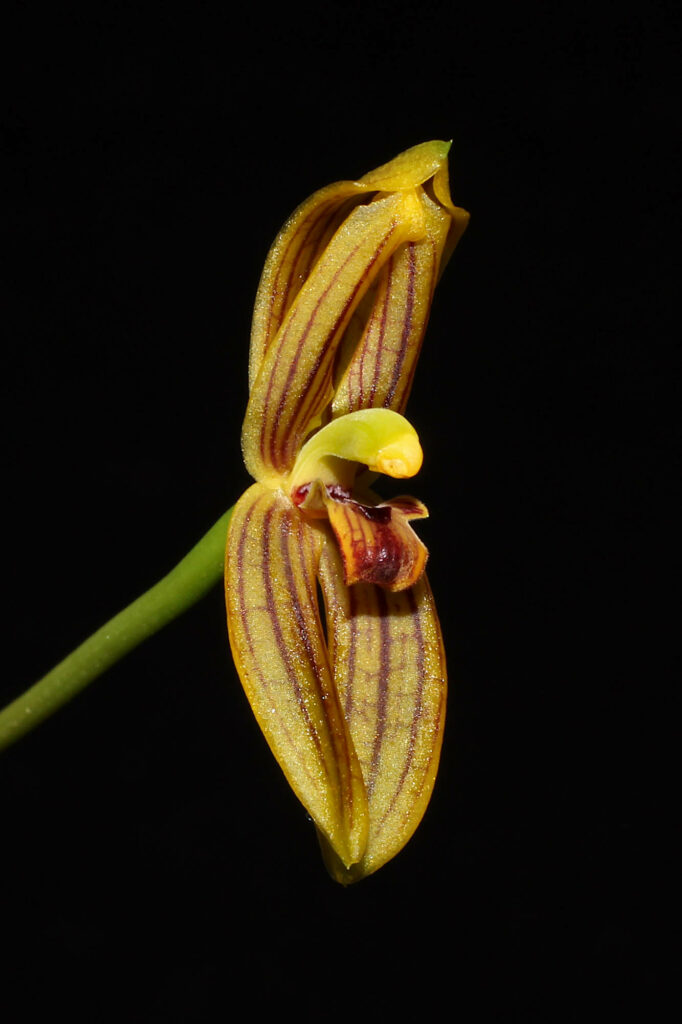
x: 291, y: 259
x: 389, y: 670
x: 306, y: 233
x: 279, y: 649
x: 376, y: 542
x: 294, y: 383
x: 382, y: 362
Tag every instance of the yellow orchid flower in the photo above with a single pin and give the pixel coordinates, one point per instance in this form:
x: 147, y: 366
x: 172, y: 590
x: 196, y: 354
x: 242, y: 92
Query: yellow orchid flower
x: 350, y: 691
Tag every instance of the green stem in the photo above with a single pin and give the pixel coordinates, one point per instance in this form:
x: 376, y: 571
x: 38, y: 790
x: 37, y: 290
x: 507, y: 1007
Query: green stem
x: 191, y: 578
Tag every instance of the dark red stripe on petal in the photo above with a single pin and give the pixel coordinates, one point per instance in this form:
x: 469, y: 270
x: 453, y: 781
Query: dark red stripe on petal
x: 292, y: 368
x: 321, y: 354
x: 350, y: 668
x: 407, y: 326
x: 441, y: 707
x: 435, y: 729
x: 358, y: 402
x: 302, y: 412
x: 382, y: 334
x: 295, y: 604
x: 417, y: 710
x: 241, y: 579
x: 331, y: 713
x: 241, y: 596
x: 331, y: 224
x: 309, y: 409
x: 284, y: 652
x: 382, y: 692
x: 279, y: 292
x: 316, y: 230
x: 400, y: 402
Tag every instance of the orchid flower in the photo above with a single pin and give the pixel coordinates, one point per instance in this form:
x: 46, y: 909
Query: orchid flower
x: 331, y: 619
x: 348, y: 688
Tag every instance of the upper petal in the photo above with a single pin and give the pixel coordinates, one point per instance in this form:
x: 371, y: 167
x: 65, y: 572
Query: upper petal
x: 412, y: 167
x: 291, y: 259
x: 294, y: 383
x: 280, y: 652
x: 382, y: 362
x: 308, y: 230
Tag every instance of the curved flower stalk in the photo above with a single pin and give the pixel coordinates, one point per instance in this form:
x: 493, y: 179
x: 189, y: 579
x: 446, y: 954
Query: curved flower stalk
x: 350, y: 692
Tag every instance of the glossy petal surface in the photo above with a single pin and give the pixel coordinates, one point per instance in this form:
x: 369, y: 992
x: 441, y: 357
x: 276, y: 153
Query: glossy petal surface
x: 279, y: 649
x: 389, y: 670
x: 381, y: 366
x: 291, y: 259
x: 294, y: 383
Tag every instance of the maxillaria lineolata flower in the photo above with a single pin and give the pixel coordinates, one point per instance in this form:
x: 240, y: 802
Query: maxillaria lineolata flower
x: 349, y: 692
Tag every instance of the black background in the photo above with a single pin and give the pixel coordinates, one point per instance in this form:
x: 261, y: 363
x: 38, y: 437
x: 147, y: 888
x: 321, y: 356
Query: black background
x: 156, y: 865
